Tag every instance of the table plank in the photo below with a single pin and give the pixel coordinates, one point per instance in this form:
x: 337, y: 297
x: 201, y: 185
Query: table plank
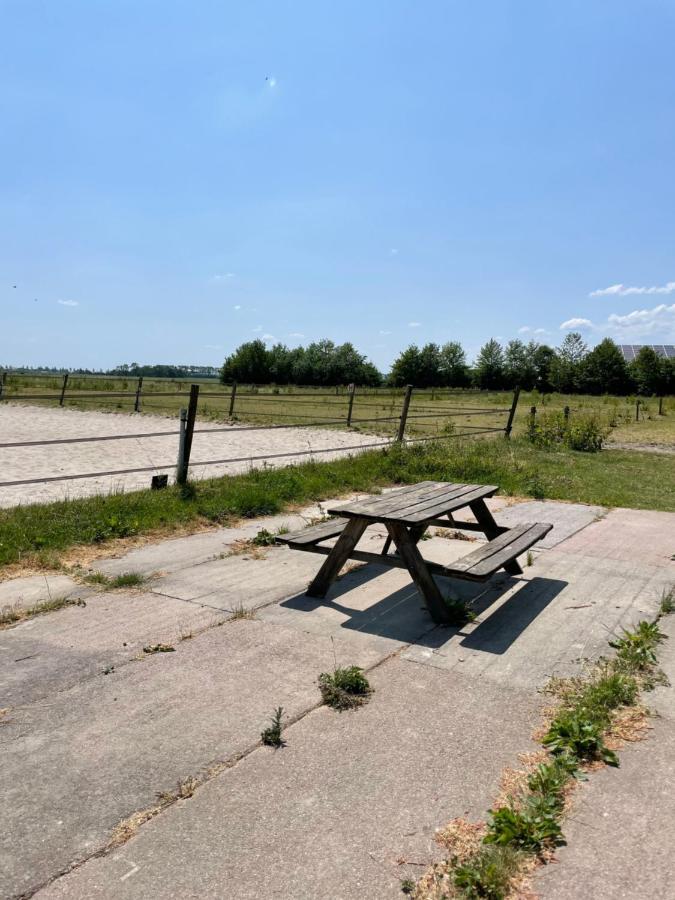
x: 371, y: 506
x: 431, y: 507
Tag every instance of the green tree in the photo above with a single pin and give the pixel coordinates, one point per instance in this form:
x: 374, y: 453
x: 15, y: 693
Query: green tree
x: 565, y: 371
x: 519, y: 368
x: 543, y: 358
x: 407, y: 367
x: 489, y: 368
x: 648, y: 372
x: 604, y: 370
x: 454, y: 371
x: 249, y: 362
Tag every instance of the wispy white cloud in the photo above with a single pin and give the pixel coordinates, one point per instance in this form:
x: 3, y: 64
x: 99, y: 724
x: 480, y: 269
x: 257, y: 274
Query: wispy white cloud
x: 573, y: 324
x: 269, y: 339
x: 238, y: 306
x: 222, y: 279
x: 414, y: 324
x: 68, y: 302
x: 271, y: 81
x: 620, y: 290
x: 383, y: 331
x: 525, y: 329
x: 393, y: 251
x: 641, y: 323
x: 296, y: 334
x: 657, y: 323
x: 257, y: 328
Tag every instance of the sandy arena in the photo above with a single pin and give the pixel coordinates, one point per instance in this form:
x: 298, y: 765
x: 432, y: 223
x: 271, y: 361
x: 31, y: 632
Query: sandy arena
x: 41, y: 423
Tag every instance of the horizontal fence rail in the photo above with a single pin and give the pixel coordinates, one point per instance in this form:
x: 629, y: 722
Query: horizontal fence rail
x: 350, y: 402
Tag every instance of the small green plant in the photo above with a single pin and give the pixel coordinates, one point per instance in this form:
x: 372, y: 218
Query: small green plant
x: 573, y: 732
x: 532, y: 828
x: 667, y: 605
x: 488, y: 873
x: 271, y: 736
x: 459, y: 612
x: 407, y: 886
x: 636, y: 649
x: 529, y: 559
x: 263, y: 538
x: 115, y: 582
x: 344, y: 688
x: 159, y: 648
x: 187, y: 490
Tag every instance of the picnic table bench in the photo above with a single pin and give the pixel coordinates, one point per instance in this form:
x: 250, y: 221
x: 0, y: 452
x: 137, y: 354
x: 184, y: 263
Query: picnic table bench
x: 407, y: 513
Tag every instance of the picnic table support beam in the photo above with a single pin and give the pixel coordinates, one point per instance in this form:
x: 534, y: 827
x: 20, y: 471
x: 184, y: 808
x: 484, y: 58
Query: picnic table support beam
x: 337, y: 558
x: 411, y: 556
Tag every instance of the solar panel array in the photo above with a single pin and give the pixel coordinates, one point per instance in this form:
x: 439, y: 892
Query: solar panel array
x: 630, y: 351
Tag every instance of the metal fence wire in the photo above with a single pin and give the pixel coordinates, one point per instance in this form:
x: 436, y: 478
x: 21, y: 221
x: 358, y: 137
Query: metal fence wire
x: 234, y: 398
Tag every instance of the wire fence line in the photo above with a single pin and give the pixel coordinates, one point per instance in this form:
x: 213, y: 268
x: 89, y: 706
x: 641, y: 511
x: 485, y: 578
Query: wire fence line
x: 187, y: 430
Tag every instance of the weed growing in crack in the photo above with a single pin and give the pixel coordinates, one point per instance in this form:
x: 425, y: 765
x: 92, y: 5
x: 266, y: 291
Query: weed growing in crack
x: 344, y: 688
x: 271, y: 736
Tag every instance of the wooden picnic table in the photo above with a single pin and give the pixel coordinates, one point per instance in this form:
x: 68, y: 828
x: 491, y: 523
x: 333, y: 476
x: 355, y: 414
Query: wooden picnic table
x: 407, y: 513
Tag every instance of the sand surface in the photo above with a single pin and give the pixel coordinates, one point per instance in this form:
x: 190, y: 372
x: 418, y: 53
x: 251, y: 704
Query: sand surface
x: 39, y: 423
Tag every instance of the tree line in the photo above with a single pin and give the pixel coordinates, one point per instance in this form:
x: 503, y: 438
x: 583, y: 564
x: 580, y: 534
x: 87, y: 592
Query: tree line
x: 570, y: 368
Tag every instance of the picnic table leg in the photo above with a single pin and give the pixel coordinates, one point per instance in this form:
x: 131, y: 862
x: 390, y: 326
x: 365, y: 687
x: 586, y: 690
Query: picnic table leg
x: 491, y: 530
x: 411, y: 556
x: 337, y: 557
x: 416, y: 532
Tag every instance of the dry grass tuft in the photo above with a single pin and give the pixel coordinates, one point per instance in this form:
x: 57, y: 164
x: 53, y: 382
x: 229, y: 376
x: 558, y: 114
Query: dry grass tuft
x: 245, y: 547
x: 461, y: 838
x: 241, y: 612
x: 128, y: 827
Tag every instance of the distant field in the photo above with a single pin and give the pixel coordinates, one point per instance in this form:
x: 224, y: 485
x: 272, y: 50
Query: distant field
x: 432, y: 411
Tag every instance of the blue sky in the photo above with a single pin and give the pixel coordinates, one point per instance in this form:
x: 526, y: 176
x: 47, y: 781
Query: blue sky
x: 179, y: 177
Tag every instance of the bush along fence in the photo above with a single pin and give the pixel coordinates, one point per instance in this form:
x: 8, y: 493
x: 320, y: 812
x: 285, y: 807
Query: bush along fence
x: 578, y: 430
x: 400, y: 420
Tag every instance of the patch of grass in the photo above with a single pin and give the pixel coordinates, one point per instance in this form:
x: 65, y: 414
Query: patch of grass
x: 489, y: 873
x: 10, y: 615
x: 271, y: 736
x: 407, y: 886
x: 616, y: 478
x: 344, y: 688
x: 667, y: 605
x: 529, y: 561
x: 241, y: 612
x: 159, y: 648
x: 116, y: 582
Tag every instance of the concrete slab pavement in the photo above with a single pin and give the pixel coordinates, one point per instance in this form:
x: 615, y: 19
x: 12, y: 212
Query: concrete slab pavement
x: 638, y: 534
x: 340, y: 810
x: 77, y: 762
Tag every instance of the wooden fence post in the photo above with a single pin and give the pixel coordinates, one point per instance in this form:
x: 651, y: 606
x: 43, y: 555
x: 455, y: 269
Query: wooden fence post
x: 350, y: 407
x: 566, y: 414
x: 2, y: 384
x: 187, y: 427
x: 404, y: 413
x: 233, y: 396
x: 637, y: 410
x: 63, y: 389
x: 660, y: 406
x: 137, y: 402
x: 512, y: 413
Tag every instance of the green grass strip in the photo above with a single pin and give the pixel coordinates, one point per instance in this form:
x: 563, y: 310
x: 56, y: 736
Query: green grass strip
x: 608, y: 479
